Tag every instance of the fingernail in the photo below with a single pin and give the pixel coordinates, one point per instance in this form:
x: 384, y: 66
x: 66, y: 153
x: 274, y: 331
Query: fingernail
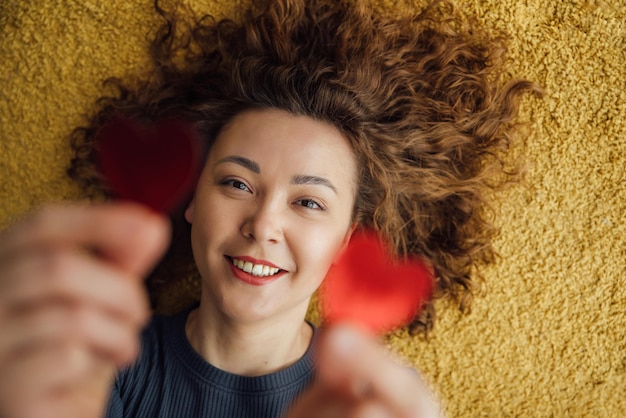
x: 360, y: 389
x: 343, y: 341
x: 375, y: 411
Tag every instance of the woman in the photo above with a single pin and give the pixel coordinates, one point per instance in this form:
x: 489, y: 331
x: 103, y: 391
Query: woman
x: 319, y: 117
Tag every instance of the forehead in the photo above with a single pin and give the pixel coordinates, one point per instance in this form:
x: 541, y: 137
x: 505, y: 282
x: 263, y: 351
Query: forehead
x: 276, y: 138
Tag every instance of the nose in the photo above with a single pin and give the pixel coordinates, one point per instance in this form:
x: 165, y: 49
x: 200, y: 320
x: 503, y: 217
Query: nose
x: 263, y: 224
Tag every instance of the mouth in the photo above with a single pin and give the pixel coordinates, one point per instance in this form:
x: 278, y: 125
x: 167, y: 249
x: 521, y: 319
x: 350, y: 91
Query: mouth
x: 256, y: 269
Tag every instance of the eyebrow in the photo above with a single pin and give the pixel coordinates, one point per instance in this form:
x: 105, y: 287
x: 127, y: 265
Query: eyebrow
x: 242, y: 161
x: 315, y: 180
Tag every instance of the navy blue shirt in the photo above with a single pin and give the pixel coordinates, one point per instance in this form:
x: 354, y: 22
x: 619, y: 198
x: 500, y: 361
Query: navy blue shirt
x: 171, y: 380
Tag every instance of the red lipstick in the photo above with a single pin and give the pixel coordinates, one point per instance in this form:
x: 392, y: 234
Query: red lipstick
x: 250, y: 278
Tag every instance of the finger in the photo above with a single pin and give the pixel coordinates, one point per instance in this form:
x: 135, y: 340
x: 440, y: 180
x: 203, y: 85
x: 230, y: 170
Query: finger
x: 54, y: 325
x: 348, y: 357
x: 52, y: 381
x: 128, y: 234
x: 63, y: 274
x: 45, y: 368
x: 85, y: 397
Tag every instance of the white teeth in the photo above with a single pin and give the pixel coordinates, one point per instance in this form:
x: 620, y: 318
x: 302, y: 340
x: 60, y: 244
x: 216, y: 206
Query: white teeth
x: 258, y: 270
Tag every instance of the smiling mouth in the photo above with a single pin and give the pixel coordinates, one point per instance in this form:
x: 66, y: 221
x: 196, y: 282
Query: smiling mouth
x: 257, y: 270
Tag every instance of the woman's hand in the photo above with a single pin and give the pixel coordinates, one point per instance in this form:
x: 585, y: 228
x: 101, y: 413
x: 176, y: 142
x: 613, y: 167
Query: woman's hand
x: 72, y: 304
x: 357, y: 378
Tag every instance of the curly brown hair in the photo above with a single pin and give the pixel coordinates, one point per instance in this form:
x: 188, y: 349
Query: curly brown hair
x: 423, y: 100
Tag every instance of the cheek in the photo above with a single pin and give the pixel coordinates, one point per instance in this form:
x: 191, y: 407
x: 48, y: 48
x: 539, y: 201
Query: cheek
x: 322, y: 243
x: 208, y: 210
x: 199, y: 246
x: 318, y: 251
x: 205, y: 229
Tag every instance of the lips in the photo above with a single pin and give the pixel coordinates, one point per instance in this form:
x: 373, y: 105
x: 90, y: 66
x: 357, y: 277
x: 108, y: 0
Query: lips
x: 259, y: 270
x: 253, y: 271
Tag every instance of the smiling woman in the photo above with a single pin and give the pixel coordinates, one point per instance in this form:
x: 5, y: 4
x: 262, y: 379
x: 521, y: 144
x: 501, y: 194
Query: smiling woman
x: 319, y: 117
x: 277, y: 191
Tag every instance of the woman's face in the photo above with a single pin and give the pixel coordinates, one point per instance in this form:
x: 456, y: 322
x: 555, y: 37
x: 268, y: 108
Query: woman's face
x: 272, y: 209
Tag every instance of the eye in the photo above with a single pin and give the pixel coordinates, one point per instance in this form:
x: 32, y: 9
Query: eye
x: 236, y: 184
x: 309, y: 204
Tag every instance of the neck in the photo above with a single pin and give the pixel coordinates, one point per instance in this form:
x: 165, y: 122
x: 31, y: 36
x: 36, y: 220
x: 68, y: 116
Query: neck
x: 247, y: 348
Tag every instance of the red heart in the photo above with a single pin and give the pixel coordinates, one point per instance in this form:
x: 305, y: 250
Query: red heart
x: 368, y: 288
x: 156, y: 166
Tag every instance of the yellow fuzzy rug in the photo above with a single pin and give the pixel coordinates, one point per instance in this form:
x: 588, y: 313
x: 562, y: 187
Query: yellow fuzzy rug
x: 548, y: 336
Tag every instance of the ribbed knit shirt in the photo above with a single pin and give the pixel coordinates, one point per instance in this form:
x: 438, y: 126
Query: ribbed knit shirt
x: 171, y: 380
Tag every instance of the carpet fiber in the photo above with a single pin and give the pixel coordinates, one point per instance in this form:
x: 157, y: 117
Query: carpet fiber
x: 548, y: 336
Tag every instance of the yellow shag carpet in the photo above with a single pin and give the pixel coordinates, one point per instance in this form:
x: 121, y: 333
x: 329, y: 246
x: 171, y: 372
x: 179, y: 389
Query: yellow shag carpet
x: 548, y: 336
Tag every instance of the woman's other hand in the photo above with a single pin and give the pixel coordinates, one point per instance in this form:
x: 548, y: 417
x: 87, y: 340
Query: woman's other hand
x: 356, y: 377
x: 72, y: 305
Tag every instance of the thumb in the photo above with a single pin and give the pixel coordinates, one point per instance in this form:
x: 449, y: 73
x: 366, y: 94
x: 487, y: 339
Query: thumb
x: 128, y: 235
x: 357, y: 364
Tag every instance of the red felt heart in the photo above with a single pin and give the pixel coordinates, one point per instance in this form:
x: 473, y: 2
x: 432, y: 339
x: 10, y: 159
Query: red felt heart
x: 156, y: 166
x: 368, y: 288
